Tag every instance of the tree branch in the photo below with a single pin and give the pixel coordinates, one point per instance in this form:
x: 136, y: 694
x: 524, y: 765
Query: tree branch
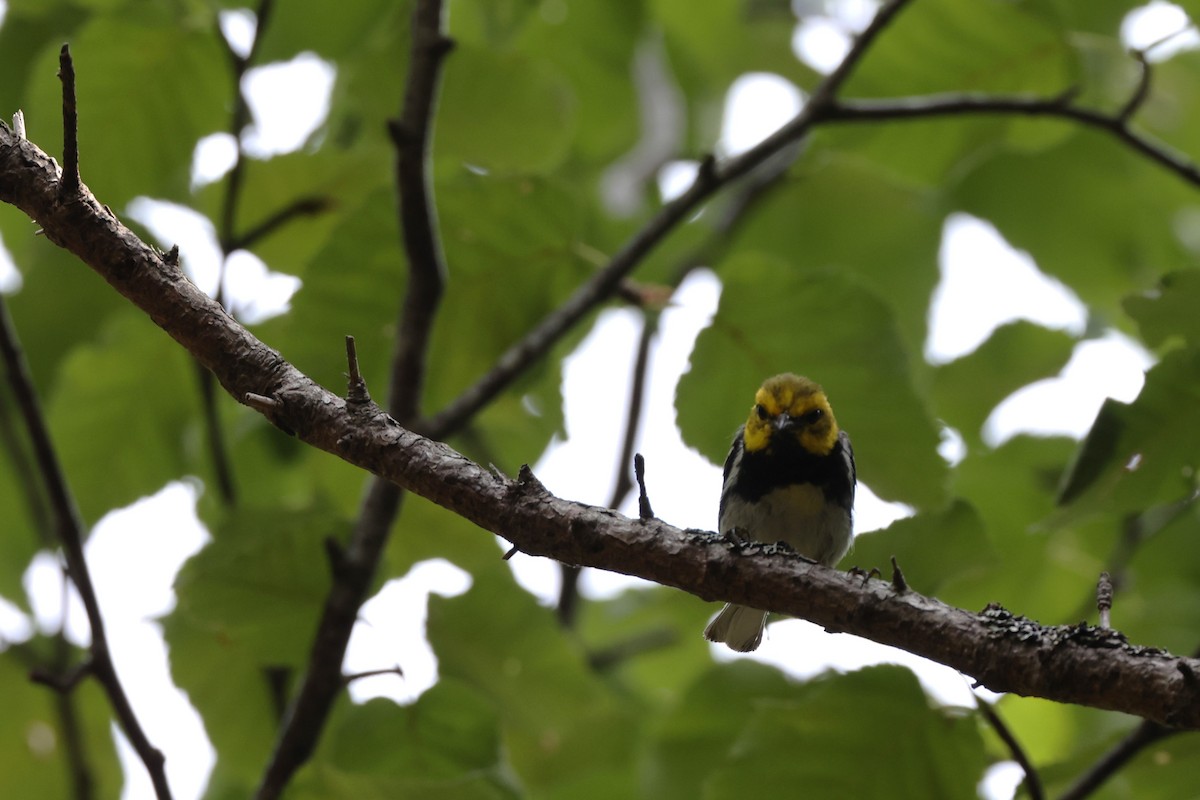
x: 1072, y: 664
x: 355, y: 566
x: 69, y: 528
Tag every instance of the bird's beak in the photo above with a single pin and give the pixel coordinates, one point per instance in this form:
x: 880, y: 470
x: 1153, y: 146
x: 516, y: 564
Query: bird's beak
x: 783, y: 422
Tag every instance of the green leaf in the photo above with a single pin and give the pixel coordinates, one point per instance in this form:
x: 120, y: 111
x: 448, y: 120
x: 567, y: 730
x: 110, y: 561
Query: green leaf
x: 121, y: 414
x: 965, y: 45
x: 1018, y: 353
x: 745, y: 731
x: 1168, y: 311
x: 915, y: 752
x: 248, y: 604
x: 1102, y: 243
x: 34, y: 756
x: 561, y: 724
x: 445, y: 745
x: 1043, y: 570
x: 938, y: 551
x: 836, y: 212
x: 1142, y: 453
x: 262, y: 581
x: 503, y: 113
x: 828, y: 325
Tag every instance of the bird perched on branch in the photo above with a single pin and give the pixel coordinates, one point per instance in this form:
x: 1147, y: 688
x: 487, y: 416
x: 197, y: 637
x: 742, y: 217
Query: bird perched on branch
x: 789, y: 477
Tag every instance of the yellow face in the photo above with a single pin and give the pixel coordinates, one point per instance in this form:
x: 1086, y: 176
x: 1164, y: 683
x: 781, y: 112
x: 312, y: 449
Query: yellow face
x: 789, y: 405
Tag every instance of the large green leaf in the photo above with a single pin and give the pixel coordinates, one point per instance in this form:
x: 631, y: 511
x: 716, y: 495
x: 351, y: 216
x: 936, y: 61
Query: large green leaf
x: 1143, y: 453
x: 1045, y: 572
x: 561, y: 724
x: 1060, y: 206
x: 835, y: 329
x: 836, y: 212
x: 937, y: 551
x: 743, y: 730
x: 248, y: 604
x: 445, y: 745
x: 34, y: 755
x: 1168, y: 312
x: 122, y: 414
x: 968, y: 389
x: 503, y: 112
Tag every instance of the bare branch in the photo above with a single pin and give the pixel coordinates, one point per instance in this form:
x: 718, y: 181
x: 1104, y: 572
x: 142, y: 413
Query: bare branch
x: 417, y: 213
x: 1073, y: 664
x: 323, y: 680
x: 69, y: 187
x: 303, y: 207
x: 70, y: 535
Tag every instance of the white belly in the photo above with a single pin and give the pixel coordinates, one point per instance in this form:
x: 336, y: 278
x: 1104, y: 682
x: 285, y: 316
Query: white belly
x: 797, y: 515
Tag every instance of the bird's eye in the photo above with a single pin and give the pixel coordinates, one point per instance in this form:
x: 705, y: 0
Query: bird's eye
x: 813, y: 416
x: 761, y: 410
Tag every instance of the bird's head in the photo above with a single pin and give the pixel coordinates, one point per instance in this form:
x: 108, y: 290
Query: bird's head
x: 788, y: 405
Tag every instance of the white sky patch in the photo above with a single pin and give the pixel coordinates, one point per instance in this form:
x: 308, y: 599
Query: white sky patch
x: 390, y: 632
x: 1111, y: 366
x: 15, y: 624
x: 44, y: 585
x: 986, y: 283
x: 757, y: 104
x: 826, y: 28
x: 1155, y: 22
x: 821, y: 43
x: 174, y: 224
x: 804, y: 650
x: 675, y: 178
x: 257, y: 293
x: 10, y: 278
x: 239, y: 27
x: 133, y: 555
x: 252, y: 291
x: 288, y: 101
x: 213, y: 157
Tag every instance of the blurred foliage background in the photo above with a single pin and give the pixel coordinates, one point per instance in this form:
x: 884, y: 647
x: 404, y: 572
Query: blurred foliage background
x: 829, y: 272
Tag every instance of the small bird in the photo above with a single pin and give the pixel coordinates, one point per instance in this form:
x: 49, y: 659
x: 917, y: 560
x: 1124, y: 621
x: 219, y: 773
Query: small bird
x: 789, y: 477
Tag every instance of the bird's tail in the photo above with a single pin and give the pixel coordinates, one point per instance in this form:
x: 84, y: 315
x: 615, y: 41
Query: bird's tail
x: 739, y: 627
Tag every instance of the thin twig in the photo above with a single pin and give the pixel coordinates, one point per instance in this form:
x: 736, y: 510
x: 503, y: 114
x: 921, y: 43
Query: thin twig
x: 1033, y: 783
x: 1104, y: 598
x: 69, y: 527
x: 411, y: 135
x: 69, y: 184
x: 323, y: 680
x: 1140, y: 92
x: 602, y: 285
x: 1144, y: 735
x: 356, y: 386
x: 303, y: 207
x: 645, y: 512
x: 239, y: 118
x: 859, y: 111
x: 568, y: 594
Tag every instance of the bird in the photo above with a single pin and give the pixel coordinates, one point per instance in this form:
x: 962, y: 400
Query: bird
x: 789, y: 478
